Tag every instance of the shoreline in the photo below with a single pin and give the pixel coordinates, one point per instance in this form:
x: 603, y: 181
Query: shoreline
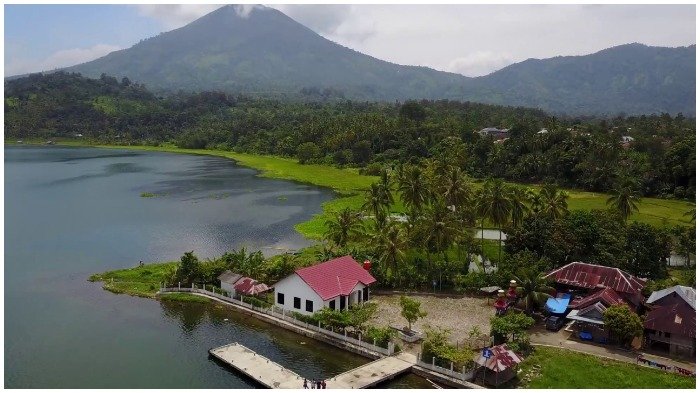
x: 348, y: 185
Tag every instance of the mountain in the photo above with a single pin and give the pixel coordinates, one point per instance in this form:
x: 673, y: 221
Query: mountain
x: 265, y: 52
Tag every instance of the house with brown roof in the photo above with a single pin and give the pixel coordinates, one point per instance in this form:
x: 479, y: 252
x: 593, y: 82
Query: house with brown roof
x: 337, y: 284
x: 670, y: 324
x: 594, y: 289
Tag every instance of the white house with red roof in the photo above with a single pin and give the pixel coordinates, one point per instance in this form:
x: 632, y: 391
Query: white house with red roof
x: 337, y: 284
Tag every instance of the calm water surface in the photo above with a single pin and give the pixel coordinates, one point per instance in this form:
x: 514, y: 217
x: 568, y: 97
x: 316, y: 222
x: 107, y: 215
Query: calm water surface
x: 71, y: 212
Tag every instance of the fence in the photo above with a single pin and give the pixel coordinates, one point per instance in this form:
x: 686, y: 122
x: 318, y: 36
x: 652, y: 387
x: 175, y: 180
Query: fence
x: 288, y: 317
x: 465, y: 375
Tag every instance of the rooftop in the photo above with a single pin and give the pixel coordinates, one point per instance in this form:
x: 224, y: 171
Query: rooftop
x: 336, y: 277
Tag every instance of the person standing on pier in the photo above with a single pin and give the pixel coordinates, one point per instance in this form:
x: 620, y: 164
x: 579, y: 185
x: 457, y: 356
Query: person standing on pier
x: 313, y: 384
x: 306, y: 386
x: 318, y: 384
x: 323, y: 384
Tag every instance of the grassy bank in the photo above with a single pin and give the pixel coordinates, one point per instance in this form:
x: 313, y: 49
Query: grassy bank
x: 349, y: 184
x: 142, y: 281
x: 562, y: 369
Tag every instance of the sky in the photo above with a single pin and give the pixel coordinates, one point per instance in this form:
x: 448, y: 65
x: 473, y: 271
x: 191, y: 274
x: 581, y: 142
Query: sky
x: 472, y: 40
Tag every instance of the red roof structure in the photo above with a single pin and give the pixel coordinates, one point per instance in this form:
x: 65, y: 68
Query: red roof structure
x: 501, y: 359
x: 678, y: 319
x: 590, y: 276
x: 336, y: 277
x: 607, y: 296
x: 248, y: 286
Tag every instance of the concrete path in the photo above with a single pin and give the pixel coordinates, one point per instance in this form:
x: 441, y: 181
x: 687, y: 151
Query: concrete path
x: 373, y: 373
x: 257, y: 367
x: 563, y: 339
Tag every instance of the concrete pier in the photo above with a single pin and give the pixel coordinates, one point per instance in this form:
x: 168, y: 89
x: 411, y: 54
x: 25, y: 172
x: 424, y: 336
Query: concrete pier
x: 261, y: 369
x: 272, y: 375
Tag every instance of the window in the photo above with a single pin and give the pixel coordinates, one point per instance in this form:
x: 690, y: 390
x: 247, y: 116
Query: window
x: 310, y: 305
x: 280, y: 298
x: 297, y: 303
x: 342, y: 302
x: 331, y: 304
x: 365, y: 293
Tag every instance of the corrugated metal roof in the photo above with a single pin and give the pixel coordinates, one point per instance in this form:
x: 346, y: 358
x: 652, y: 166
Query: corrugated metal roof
x: 501, y: 360
x: 606, y: 296
x: 248, y: 286
x: 335, y: 277
x: 686, y: 293
x: 229, y: 277
x: 589, y: 276
x: 675, y: 319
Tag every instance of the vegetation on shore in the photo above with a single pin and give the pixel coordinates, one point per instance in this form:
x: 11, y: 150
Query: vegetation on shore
x: 552, y: 368
x: 142, y: 281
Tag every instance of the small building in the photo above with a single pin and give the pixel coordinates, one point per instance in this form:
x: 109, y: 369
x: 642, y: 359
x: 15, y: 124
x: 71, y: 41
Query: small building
x: 496, y: 133
x: 496, y: 365
x: 228, y: 279
x: 249, y: 287
x: 670, y: 324
x: 543, y: 131
x: 336, y: 284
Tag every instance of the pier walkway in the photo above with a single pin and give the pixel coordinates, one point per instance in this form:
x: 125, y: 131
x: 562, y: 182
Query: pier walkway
x: 272, y: 375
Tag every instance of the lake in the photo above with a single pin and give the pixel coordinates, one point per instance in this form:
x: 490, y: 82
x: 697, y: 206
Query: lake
x: 72, y: 212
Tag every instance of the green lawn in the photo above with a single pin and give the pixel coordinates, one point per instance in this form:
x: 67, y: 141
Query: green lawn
x: 349, y: 184
x: 562, y: 369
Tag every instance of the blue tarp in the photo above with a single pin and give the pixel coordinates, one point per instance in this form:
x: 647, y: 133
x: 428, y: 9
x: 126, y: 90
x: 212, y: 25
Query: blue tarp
x: 558, y: 305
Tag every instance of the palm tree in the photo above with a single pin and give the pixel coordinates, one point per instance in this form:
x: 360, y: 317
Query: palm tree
x: 454, y: 188
x: 343, y: 227
x: 377, y: 201
x: 496, y: 206
x: 390, y: 248
x: 413, y: 189
x: 554, y: 202
x: 439, y: 230
x: 624, y: 200
x: 519, y: 209
x: 534, y: 289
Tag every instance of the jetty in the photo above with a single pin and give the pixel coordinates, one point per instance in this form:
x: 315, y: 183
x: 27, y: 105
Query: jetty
x: 274, y: 376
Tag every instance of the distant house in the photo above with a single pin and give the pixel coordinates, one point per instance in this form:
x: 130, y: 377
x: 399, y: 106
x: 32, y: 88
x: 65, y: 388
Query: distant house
x: 496, y: 133
x: 336, y: 284
x: 670, y: 324
x: 228, y: 279
x: 496, y: 365
x: 543, y: 131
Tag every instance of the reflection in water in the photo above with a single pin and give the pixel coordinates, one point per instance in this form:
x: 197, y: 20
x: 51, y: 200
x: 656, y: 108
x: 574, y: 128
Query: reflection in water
x: 109, y: 170
x: 188, y: 315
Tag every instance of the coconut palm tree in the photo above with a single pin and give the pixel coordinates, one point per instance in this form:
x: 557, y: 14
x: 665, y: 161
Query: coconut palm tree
x: 343, y: 227
x: 413, y: 189
x: 439, y: 230
x: 377, y: 201
x: 519, y: 209
x: 624, y: 200
x: 496, y: 206
x: 454, y: 188
x: 534, y: 289
x: 554, y: 202
x: 390, y: 249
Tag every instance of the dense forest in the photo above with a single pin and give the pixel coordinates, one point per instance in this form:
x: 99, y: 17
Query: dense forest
x: 654, y: 153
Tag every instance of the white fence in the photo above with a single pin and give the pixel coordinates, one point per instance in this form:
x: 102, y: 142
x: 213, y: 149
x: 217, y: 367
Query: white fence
x: 464, y: 375
x: 288, y: 317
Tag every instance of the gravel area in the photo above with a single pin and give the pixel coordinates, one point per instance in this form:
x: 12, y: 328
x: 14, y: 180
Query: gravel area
x: 459, y: 315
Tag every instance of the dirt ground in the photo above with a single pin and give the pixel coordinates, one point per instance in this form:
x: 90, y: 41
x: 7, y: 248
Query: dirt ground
x: 459, y: 315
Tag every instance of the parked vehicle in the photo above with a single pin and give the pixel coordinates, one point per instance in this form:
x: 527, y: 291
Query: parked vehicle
x: 555, y: 323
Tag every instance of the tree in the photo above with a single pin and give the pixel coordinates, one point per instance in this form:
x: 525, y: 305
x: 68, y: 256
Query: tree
x: 410, y: 309
x: 439, y: 230
x: 623, y: 324
x: 519, y: 209
x: 495, y: 206
x: 189, y: 268
x: 510, y: 325
x: 377, y: 201
x: 625, y: 200
x: 553, y: 202
x: 684, y: 242
x: 454, y: 188
x: 390, y: 248
x: 534, y: 289
x: 360, y: 314
x: 342, y: 228
x: 307, y: 152
x: 647, y: 249
x: 413, y: 190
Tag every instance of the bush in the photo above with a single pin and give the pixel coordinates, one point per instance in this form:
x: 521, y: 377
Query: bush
x: 382, y: 335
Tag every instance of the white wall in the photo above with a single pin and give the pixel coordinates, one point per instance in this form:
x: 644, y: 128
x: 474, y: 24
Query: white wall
x: 228, y: 287
x: 293, y: 286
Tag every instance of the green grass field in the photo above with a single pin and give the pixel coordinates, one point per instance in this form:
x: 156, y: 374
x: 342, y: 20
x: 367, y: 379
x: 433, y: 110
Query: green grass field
x: 349, y: 184
x: 141, y: 281
x: 561, y: 369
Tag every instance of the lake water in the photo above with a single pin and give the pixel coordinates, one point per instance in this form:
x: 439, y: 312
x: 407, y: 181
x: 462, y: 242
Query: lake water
x: 72, y: 212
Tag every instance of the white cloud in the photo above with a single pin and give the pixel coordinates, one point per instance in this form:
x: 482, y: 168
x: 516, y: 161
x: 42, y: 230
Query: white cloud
x: 173, y: 16
x: 479, y: 63
x: 59, y: 59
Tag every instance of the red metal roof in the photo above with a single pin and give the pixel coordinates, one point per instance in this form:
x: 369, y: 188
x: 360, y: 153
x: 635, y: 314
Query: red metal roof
x: 589, y: 276
x: 501, y: 359
x: 607, y: 296
x: 678, y: 319
x: 248, y: 286
x: 335, y: 277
